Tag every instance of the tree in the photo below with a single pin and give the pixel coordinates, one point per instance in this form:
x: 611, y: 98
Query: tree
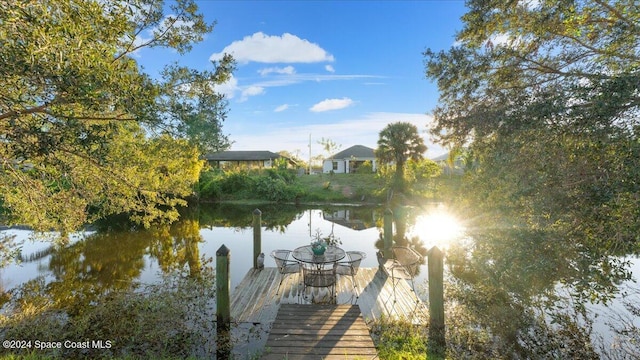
x: 84, y: 131
x: 295, y: 156
x: 397, y: 143
x: 329, y: 146
x: 548, y: 96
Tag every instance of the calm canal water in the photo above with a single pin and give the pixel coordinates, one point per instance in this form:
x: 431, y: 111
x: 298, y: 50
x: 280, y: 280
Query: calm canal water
x: 114, y: 256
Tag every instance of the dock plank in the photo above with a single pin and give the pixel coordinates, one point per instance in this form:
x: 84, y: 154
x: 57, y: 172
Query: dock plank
x: 319, y: 332
x: 254, y: 300
x: 255, y: 305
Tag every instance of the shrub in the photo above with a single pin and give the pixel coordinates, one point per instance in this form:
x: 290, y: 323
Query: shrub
x: 286, y: 175
x: 365, y: 168
x: 236, y: 181
x: 274, y: 189
x: 210, y: 190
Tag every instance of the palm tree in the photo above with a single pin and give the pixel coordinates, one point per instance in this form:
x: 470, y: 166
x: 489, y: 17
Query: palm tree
x: 399, y: 142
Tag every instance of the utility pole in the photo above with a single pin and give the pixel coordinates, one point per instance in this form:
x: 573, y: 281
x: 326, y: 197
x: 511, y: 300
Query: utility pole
x: 309, y: 154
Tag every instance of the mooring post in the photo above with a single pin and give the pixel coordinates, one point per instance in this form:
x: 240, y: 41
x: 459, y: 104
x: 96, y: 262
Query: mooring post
x: 257, y: 236
x: 223, y: 310
x: 436, y: 299
x: 388, y: 233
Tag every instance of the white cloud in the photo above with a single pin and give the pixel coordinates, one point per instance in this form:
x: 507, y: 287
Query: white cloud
x: 364, y: 130
x: 263, y: 48
x: 331, y: 104
x: 329, y: 68
x: 251, y: 91
x: 298, y: 78
x: 229, y: 88
x: 282, y: 107
x: 287, y: 70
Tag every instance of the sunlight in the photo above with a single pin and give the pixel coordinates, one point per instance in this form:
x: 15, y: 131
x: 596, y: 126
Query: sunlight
x: 438, y: 228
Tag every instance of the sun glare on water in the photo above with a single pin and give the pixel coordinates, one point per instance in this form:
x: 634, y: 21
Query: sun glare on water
x: 438, y: 228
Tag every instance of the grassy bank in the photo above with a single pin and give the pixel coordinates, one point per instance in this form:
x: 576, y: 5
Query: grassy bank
x: 284, y: 186
x: 348, y: 188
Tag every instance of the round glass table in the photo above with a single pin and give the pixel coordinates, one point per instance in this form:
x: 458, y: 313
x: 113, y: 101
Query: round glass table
x: 305, y: 254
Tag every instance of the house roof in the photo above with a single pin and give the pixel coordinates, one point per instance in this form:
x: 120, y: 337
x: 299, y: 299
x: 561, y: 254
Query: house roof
x: 356, y: 151
x: 442, y: 157
x: 242, y: 156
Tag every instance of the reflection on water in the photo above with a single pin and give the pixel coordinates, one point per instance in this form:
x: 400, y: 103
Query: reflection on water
x: 501, y: 280
x: 116, y: 255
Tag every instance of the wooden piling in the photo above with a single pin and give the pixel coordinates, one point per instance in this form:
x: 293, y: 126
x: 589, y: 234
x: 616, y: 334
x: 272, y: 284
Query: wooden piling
x: 436, y: 299
x: 388, y: 233
x: 223, y: 302
x: 257, y: 236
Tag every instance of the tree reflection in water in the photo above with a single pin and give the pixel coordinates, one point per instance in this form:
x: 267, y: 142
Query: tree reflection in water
x: 502, y: 283
x: 517, y: 292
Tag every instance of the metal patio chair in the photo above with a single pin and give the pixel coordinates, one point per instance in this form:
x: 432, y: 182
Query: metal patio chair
x: 284, y: 264
x: 403, y: 266
x: 350, y: 268
x: 319, y: 277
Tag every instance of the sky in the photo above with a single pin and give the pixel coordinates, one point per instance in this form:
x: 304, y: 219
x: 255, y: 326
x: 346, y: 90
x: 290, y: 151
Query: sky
x: 312, y: 70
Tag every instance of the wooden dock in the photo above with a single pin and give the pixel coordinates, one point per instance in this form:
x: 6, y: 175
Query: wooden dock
x: 256, y: 300
x: 319, y: 332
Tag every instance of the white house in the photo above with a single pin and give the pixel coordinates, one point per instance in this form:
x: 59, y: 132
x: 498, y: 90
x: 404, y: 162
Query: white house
x: 348, y: 160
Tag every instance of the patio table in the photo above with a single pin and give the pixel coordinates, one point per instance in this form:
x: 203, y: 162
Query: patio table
x: 305, y: 255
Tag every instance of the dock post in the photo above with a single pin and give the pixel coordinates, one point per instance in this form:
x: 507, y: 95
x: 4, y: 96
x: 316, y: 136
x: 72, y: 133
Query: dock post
x: 436, y: 300
x: 257, y: 236
x: 388, y: 233
x: 223, y: 309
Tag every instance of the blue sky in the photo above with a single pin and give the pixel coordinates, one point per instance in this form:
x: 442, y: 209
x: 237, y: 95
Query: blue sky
x: 340, y: 70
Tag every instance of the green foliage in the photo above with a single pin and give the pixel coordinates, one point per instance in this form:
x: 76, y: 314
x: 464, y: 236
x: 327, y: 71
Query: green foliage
x: 397, y: 143
x: 274, y: 185
x: 236, y: 181
x: 277, y: 185
x: 209, y: 189
x: 281, y: 173
x: 167, y: 320
x: 553, y: 122
x: 421, y: 170
x: 274, y: 189
x: 400, y: 339
x: 365, y: 168
x: 86, y: 132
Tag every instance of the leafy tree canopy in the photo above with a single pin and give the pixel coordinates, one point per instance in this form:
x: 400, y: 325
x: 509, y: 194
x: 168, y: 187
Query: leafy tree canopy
x: 547, y: 93
x: 84, y: 132
x: 397, y: 143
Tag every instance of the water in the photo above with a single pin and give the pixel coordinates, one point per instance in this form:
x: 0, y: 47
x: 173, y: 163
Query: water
x: 494, y: 276
x: 146, y: 255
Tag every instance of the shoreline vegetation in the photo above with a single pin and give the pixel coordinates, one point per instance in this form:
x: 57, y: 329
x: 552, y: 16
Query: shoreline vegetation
x: 144, y: 334
x: 249, y: 187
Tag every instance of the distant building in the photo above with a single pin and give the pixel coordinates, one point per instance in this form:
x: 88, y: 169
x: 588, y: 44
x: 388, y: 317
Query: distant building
x: 348, y: 160
x: 246, y: 159
x: 447, y: 168
x: 355, y: 219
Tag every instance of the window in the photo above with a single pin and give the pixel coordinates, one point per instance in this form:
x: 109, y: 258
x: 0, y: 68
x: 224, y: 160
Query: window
x: 335, y: 165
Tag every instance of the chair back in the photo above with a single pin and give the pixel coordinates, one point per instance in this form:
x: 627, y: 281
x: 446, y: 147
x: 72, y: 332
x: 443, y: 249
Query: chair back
x: 408, y: 258
x: 318, y: 277
x: 281, y: 257
x: 355, y: 258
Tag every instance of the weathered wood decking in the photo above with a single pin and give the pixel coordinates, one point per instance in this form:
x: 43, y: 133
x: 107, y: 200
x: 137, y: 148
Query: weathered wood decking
x: 256, y: 300
x: 319, y: 332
